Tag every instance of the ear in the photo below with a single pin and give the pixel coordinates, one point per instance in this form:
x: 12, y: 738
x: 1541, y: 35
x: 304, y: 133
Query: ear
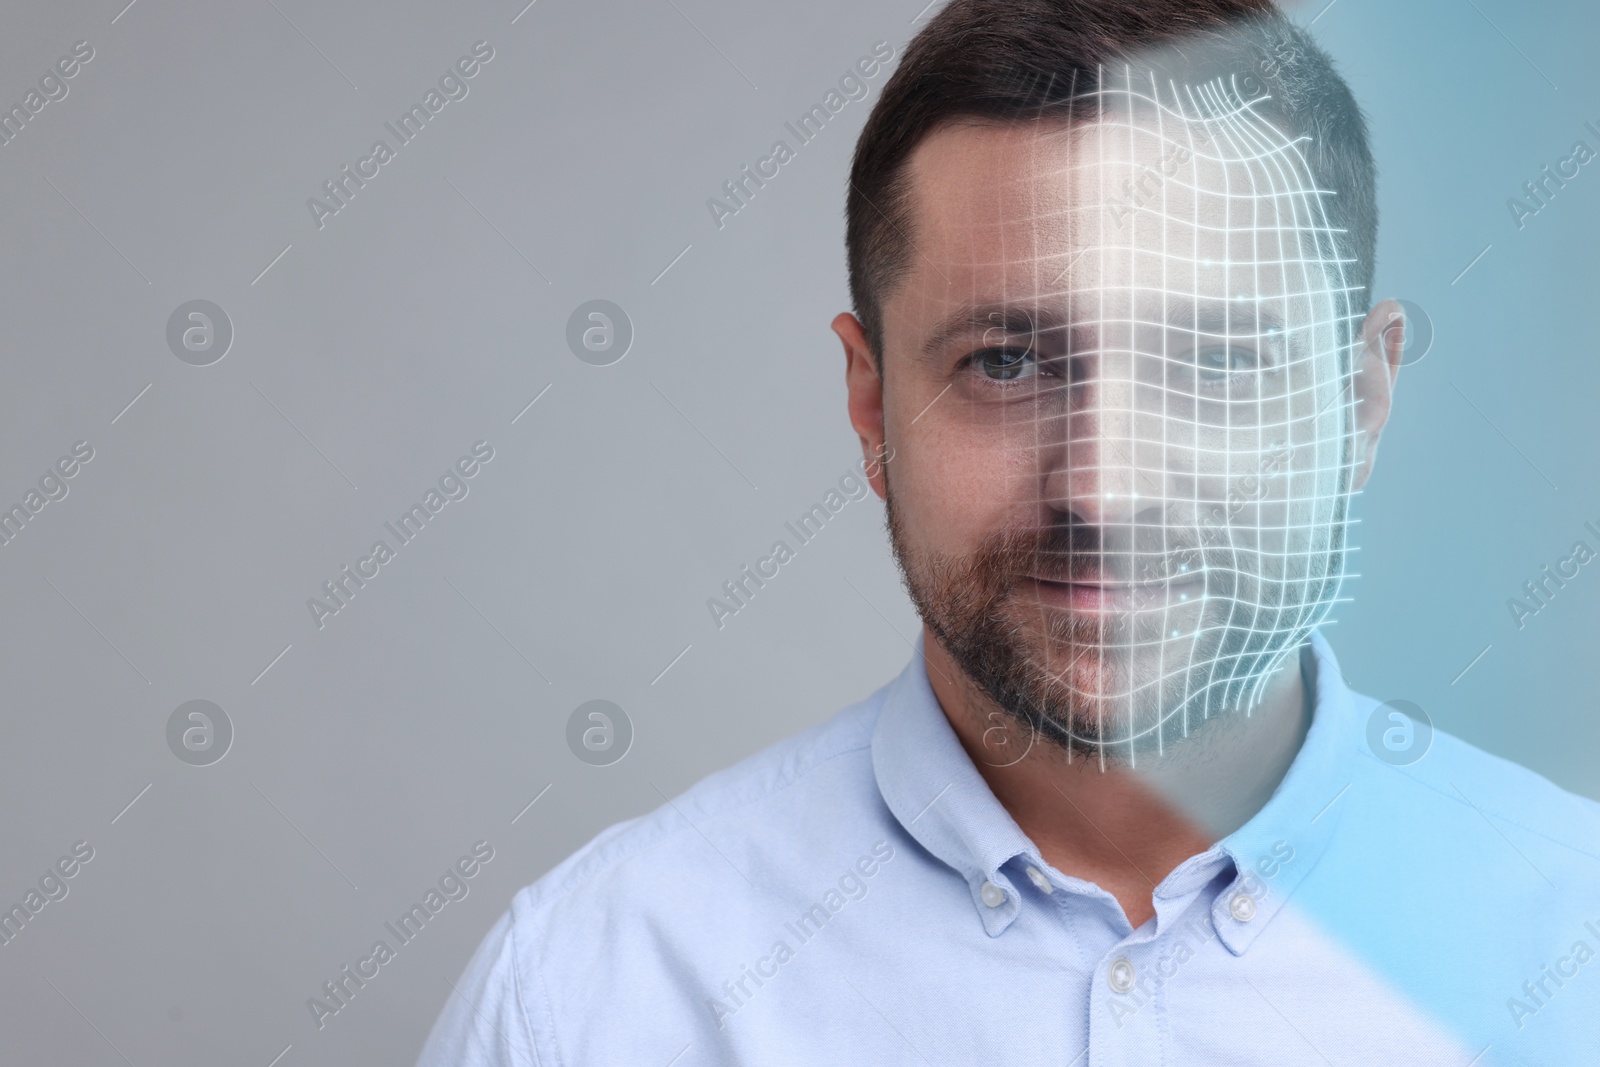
x: 866, y: 397
x: 1383, y: 341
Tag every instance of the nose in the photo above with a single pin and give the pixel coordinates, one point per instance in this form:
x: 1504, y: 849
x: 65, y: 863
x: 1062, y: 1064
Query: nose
x: 1107, y: 468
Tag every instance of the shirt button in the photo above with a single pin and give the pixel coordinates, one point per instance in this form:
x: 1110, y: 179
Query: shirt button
x: 992, y: 895
x: 1242, y: 907
x: 1119, y: 976
x: 1037, y: 878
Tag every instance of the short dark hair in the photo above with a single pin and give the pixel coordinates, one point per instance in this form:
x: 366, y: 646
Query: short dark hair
x: 1016, y: 61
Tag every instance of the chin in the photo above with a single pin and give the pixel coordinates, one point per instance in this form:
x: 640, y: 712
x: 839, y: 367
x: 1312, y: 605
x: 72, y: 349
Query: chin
x: 1109, y: 692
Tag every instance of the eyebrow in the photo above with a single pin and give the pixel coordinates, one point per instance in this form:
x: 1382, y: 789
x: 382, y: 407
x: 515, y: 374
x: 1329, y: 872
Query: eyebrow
x: 1013, y: 319
x: 1213, y: 316
x: 1240, y: 317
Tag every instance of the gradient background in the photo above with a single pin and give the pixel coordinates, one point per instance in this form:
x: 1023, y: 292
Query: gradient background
x: 429, y: 312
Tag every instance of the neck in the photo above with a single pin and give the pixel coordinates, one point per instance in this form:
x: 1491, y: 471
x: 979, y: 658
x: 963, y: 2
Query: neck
x: 1122, y: 828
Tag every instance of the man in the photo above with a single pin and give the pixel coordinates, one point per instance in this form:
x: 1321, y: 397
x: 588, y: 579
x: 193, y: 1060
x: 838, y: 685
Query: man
x: 1111, y: 262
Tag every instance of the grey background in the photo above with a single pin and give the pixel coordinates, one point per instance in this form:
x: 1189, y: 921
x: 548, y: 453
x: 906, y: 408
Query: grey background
x: 428, y: 313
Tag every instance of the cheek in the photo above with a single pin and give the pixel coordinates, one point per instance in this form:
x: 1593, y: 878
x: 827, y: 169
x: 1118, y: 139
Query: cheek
x: 1283, y: 513
x: 1279, y: 484
x: 1233, y: 484
x: 955, y: 485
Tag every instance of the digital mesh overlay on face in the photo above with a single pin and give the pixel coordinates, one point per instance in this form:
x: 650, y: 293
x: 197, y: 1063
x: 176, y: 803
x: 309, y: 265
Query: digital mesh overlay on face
x: 1143, y: 394
x: 1121, y: 806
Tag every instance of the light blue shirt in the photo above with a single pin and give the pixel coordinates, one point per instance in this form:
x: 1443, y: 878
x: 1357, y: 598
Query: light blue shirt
x: 857, y: 895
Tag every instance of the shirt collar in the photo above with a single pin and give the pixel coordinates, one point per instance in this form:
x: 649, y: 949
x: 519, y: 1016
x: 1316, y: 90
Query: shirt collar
x: 938, y: 795
x: 1276, y: 850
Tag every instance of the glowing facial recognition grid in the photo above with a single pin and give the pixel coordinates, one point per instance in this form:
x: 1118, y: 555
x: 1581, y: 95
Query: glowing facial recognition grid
x: 1197, y: 398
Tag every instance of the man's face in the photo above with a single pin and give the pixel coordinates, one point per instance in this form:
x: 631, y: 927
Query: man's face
x: 1114, y: 384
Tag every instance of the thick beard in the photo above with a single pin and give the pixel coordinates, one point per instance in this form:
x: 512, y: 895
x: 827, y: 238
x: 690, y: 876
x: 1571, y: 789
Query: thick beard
x: 1072, y: 681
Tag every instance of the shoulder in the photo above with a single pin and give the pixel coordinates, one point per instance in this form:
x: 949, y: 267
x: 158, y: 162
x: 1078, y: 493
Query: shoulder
x: 783, y: 788
x: 1460, y: 840
x: 1456, y: 876
x: 656, y: 910
x: 1453, y: 775
x: 776, y: 809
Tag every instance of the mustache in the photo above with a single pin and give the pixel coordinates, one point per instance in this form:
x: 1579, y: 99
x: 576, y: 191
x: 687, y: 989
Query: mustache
x: 1079, y: 552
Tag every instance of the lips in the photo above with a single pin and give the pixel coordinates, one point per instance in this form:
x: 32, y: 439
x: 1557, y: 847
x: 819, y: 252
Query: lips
x: 1097, y: 595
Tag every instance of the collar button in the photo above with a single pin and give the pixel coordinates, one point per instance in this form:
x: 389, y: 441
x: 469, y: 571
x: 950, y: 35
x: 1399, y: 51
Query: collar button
x: 992, y: 895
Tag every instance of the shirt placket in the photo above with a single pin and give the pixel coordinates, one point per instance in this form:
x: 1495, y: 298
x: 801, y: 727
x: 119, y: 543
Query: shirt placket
x: 1127, y: 992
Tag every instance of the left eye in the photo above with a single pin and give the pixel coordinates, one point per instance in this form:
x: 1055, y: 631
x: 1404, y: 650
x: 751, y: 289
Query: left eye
x: 1219, y: 361
x: 1006, y: 364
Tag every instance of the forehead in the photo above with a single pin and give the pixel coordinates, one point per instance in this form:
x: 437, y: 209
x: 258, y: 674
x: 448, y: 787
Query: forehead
x: 1119, y: 209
